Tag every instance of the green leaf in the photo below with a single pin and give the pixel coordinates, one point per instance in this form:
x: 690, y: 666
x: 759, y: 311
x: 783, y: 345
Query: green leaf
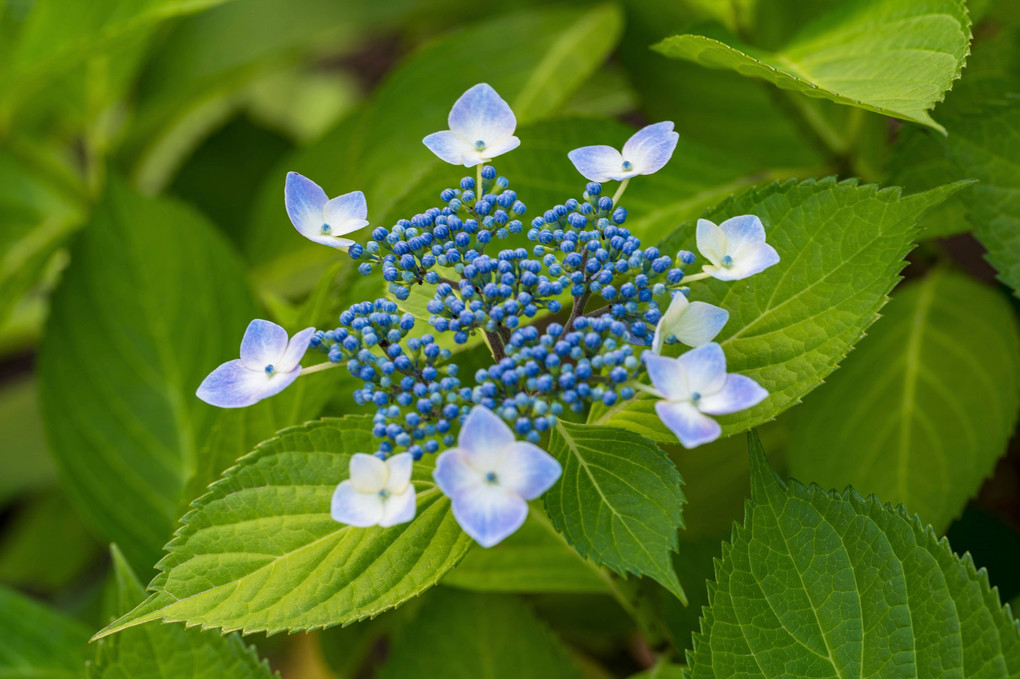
x: 920, y: 414
x: 459, y: 635
x: 23, y: 456
x: 37, y: 641
x: 260, y: 551
x: 827, y: 584
x: 619, y: 501
x: 534, y: 559
x: 841, y: 247
x: 153, y: 300
x: 158, y: 651
x: 886, y: 56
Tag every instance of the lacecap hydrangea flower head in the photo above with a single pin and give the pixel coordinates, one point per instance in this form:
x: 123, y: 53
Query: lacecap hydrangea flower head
x: 609, y: 308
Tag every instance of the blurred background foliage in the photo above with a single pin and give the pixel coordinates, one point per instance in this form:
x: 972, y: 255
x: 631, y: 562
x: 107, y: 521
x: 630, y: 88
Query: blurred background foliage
x: 143, y: 146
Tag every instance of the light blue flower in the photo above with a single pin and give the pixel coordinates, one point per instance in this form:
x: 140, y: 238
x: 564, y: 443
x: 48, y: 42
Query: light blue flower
x: 322, y: 219
x: 644, y: 153
x: 690, y: 323
x: 736, y: 248
x: 268, y: 364
x: 481, y: 128
x: 695, y: 386
x: 490, y: 476
x: 377, y: 493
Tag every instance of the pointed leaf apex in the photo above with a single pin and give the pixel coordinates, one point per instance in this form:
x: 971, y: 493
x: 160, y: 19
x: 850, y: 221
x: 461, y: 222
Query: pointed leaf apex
x: 764, y: 480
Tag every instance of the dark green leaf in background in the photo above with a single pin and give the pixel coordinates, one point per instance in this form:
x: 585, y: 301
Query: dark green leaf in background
x: 38, y: 642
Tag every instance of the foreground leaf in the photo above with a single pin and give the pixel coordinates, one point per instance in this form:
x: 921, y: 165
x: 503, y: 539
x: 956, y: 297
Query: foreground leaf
x: 260, y: 551
x: 153, y: 300
x: 920, y: 414
x: 886, y: 56
x: 39, y: 642
x: 824, y: 584
x: 842, y: 246
x: 618, y: 502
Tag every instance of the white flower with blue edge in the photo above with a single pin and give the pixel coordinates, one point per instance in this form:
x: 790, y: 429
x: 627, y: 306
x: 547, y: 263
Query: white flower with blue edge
x: 736, y: 248
x: 490, y: 476
x: 690, y: 323
x: 268, y: 365
x: 481, y: 127
x: 320, y: 218
x: 377, y: 493
x: 695, y: 386
x: 647, y: 151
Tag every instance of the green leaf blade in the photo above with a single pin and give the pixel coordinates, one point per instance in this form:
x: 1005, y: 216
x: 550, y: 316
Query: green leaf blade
x: 38, y: 641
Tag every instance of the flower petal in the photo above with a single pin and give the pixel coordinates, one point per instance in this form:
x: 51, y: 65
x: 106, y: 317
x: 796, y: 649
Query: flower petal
x: 483, y: 438
x: 667, y: 375
x: 304, y: 200
x: 453, y: 474
x: 349, y: 206
x: 232, y: 385
x: 399, y: 472
x: 742, y: 231
x: 651, y: 147
x: 296, y: 349
x: 356, y: 509
x: 500, y: 146
x: 705, y: 368
x: 699, y: 324
x: 674, y: 312
x: 489, y: 513
x: 711, y: 242
x: 368, y: 473
x: 398, y: 507
x: 748, y: 261
x: 690, y: 425
x: 450, y: 147
x: 480, y: 114
x: 527, y: 470
x: 599, y: 163
x: 738, y: 393
x: 264, y: 343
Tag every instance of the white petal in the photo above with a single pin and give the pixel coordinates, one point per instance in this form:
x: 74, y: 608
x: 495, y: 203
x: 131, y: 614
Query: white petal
x: 356, y: 509
x: 674, y: 312
x: 453, y: 474
x: 690, y: 425
x: 699, y: 324
x: 304, y: 200
x: 296, y: 349
x: 738, y: 393
x: 349, y: 206
x: 483, y: 438
x: 599, y: 163
x: 667, y: 375
x: 480, y: 114
x: 500, y: 146
x: 742, y: 231
x: 264, y: 343
x: 651, y: 147
x: 711, y: 241
x: 232, y: 385
x: 450, y: 147
x: 368, y: 473
x: 332, y: 241
x: 400, y: 467
x: 748, y: 261
x: 705, y: 368
x: 489, y: 513
x: 398, y: 507
x: 527, y: 470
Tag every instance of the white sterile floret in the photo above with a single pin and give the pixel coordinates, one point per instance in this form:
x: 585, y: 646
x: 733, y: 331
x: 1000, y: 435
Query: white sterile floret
x: 377, y: 493
x: 481, y: 128
x: 690, y: 323
x: 647, y: 151
x: 322, y: 219
x: 736, y: 248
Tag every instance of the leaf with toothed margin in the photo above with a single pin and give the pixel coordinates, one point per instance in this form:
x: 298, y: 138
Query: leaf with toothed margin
x: 826, y: 584
x: 841, y: 247
x: 260, y: 551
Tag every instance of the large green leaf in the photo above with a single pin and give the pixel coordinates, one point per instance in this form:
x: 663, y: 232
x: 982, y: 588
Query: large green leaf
x: 153, y: 300
x: 37, y: 641
x: 823, y: 584
x: 922, y: 411
x: 885, y: 56
x: 23, y: 456
x: 619, y: 501
x: 458, y: 635
x: 841, y: 247
x: 260, y: 551
x: 158, y: 651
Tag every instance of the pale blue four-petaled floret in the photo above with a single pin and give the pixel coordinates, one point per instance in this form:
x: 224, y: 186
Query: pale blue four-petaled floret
x: 490, y: 476
x: 481, y: 127
x: 736, y: 248
x: 320, y: 218
x: 377, y: 493
x: 690, y: 323
x: 695, y: 386
x: 268, y: 364
x: 647, y: 151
